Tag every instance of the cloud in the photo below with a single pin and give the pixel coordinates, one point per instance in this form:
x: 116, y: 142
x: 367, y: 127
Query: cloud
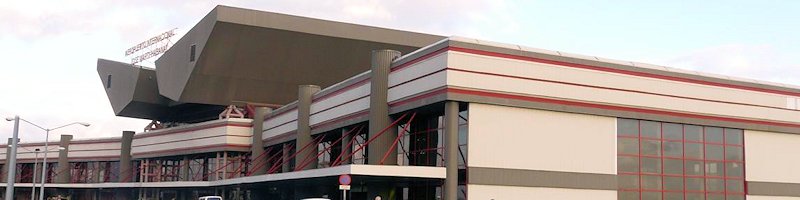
x: 763, y: 62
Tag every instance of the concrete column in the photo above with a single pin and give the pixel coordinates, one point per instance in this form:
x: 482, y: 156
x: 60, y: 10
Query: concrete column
x: 346, y: 149
x: 64, y: 175
x: 379, y: 108
x: 451, y: 150
x: 185, y: 168
x: 8, y: 157
x: 125, y: 165
x: 285, y: 166
x: 304, y: 96
x: 257, y: 146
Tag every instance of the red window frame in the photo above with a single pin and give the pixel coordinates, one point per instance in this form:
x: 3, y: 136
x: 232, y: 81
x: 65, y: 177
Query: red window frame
x: 683, y: 141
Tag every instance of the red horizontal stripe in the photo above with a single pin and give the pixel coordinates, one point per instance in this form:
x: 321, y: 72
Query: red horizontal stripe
x: 620, y: 71
x: 194, y: 148
x: 616, y: 89
x: 613, y: 107
x: 339, y: 119
x: 210, y: 126
x: 342, y: 90
x: 190, y: 139
x: 421, y: 58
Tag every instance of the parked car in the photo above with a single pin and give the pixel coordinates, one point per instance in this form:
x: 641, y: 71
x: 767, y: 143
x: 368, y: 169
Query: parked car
x: 211, y: 198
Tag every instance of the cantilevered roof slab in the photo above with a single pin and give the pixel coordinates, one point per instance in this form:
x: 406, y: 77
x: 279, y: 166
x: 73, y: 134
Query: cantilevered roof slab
x: 253, y: 56
x: 132, y: 90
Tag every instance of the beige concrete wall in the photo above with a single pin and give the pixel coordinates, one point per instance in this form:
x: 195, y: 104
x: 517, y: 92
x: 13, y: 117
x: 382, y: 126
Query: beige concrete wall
x: 403, y: 82
x: 194, y: 136
x: 772, y: 157
x: 755, y: 197
x: 541, y: 140
x: 617, y: 89
x: 283, y: 123
x: 487, y: 192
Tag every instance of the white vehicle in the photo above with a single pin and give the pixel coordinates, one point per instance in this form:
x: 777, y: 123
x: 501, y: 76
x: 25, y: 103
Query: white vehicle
x: 316, y: 199
x: 211, y: 198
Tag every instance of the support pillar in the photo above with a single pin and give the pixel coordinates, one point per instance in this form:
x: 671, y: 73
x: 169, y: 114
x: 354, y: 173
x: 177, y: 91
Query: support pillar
x: 63, y: 170
x: 346, y: 148
x: 8, y: 157
x: 304, y: 95
x: 451, y: 150
x: 185, y: 168
x: 125, y: 165
x: 257, y: 147
x: 379, y: 108
x: 285, y: 167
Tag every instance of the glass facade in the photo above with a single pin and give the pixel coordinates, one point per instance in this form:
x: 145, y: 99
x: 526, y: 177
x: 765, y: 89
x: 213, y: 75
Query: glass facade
x: 659, y: 160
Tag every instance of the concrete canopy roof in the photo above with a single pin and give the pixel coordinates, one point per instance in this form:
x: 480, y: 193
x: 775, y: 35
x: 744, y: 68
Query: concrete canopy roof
x: 131, y: 89
x: 261, y: 57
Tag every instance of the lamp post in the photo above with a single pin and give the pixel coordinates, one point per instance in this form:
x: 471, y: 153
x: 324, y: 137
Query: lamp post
x: 35, y: 166
x: 12, y: 161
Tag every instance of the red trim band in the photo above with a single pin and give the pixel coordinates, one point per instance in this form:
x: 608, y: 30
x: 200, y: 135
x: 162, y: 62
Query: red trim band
x: 618, y: 71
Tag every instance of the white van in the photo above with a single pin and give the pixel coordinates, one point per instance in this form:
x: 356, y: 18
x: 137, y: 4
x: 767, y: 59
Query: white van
x: 211, y: 198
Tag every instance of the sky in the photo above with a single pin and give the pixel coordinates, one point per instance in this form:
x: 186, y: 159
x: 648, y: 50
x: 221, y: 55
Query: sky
x: 49, y: 49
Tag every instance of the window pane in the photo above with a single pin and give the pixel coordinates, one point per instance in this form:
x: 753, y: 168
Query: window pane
x: 651, y: 182
x: 733, y: 153
x: 650, y: 129
x: 673, y: 183
x: 673, y: 166
x: 651, y: 165
x: 693, y: 150
x: 651, y: 147
x: 714, y: 169
x: 694, y: 167
x: 713, y: 135
x: 693, y: 133
x: 673, y: 131
x: 628, y: 146
x: 651, y: 195
x: 694, y: 196
x: 715, y: 185
x: 628, y: 127
x: 673, y: 149
x: 734, y: 185
x: 627, y: 195
x: 713, y: 152
x: 695, y: 184
x: 733, y: 169
x: 628, y: 182
x: 673, y: 196
x: 715, y: 197
x: 733, y: 136
x: 628, y: 164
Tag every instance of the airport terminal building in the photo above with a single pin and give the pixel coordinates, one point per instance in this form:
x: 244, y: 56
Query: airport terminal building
x: 258, y: 105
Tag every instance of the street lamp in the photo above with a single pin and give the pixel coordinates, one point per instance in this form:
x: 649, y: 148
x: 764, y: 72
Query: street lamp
x: 12, y: 161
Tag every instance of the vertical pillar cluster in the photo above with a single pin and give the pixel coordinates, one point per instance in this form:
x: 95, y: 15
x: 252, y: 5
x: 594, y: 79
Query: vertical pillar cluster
x: 63, y: 171
x: 125, y: 156
x: 257, y: 147
x: 379, y: 117
x: 451, y: 149
x: 304, y: 97
x: 8, y: 157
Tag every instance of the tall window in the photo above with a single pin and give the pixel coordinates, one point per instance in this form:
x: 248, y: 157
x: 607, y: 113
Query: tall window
x: 658, y: 160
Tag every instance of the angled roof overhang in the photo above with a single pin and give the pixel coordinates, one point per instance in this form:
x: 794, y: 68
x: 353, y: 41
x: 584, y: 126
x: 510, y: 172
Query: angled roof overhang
x: 132, y: 90
x: 260, y: 57
x: 246, y: 56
